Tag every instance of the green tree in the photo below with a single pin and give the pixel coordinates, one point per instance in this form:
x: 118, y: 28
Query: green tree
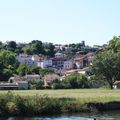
x: 27, y: 50
x: 48, y: 49
x: 33, y: 70
x: 1, y: 45
x: 8, y: 64
x: 36, y: 47
x: 76, y: 81
x: 56, y: 84
x: 22, y: 69
x: 45, y: 71
x: 107, y: 67
x: 11, y: 45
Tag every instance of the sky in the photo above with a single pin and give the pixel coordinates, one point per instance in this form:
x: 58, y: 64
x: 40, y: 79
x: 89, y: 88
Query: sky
x: 60, y: 21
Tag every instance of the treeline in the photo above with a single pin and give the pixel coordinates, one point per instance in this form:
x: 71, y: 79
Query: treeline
x: 44, y: 48
x: 71, y: 82
x: 34, y: 47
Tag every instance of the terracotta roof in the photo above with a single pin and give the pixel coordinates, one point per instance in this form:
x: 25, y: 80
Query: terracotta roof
x: 71, y: 71
x: 50, y: 77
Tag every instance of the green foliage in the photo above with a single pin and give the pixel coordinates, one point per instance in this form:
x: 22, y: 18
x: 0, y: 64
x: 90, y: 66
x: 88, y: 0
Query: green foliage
x: 45, y: 71
x: 106, y: 65
x: 56, y: 84
x: 48, y: 49
x: 14, y: 105
x: 37, y: 47
x: 22, y: 69
x: 27, y: 50
x: 11, y: 45
x: 8, y: 64
x: 36, y: 85
x: 33, y: 70
x: 76, y: 81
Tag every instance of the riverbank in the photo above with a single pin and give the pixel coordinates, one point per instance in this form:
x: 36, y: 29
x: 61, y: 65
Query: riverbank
x: 12, y: 104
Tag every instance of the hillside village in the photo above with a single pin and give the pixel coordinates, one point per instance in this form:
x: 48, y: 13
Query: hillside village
x: 61, y: 64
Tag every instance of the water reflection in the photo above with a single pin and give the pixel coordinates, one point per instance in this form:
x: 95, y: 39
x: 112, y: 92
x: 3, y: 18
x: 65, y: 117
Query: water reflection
x: 111, y: 115
x: 38, y: 118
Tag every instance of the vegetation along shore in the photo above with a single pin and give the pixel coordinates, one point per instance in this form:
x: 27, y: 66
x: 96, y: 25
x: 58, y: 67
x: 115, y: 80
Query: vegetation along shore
x: 44, y: 102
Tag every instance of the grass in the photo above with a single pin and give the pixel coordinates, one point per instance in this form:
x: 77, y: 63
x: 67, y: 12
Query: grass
x: 39, y: 102
x: 83, y: 95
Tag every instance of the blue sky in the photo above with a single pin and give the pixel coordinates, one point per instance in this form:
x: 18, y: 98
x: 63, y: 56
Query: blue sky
x: 59, y: 21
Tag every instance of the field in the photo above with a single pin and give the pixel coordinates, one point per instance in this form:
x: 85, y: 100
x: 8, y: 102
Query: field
x: 85, y: 95
x: 39, y: 102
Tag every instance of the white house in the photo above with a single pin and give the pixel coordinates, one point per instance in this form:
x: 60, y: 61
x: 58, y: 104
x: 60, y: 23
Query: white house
x: 38, y: 64
x: 59, y: 55
x: 46, y: 63
x: 25, y: 59
x: 37, y: 58
x: 68, y: 65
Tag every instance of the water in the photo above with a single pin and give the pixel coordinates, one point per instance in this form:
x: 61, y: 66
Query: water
x: 112, y: 115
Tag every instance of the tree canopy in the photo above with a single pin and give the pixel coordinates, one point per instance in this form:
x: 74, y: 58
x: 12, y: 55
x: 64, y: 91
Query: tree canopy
x: 8, y: 64
x: 106, y: 64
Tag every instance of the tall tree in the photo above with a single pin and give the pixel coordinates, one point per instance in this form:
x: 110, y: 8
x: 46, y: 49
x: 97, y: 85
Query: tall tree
x: 8, y: 64
x: 106, y: 64
x: 36, y: 46
x: 11, y: 45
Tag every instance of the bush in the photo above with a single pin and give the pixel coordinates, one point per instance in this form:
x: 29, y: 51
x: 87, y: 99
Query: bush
x: 76, y: 81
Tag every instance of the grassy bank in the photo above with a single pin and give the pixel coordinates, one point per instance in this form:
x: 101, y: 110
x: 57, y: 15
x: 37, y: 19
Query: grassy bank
x: 31, y: 103
x: 99, y: 95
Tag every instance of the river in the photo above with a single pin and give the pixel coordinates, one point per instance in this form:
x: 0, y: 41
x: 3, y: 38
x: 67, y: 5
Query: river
x: 111, y: 115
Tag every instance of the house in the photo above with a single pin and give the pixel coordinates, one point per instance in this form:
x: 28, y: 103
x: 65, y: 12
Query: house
x: 22, y: 85
x: 79, y: 62
x: 32, y: 78
x: 48, y: 78
x: 8, y: 86
x: 58, y: 62
x: 22, y: 58
x: 46, y: 63
x: 82, y: 60
x: 71, y: 72
x: 37, y: 58
x: 19, y: 81
x: 116, y: 84
x: 68, y: 65
x: 90, y: 57
x: 59, y: 55
x: 14, y: 83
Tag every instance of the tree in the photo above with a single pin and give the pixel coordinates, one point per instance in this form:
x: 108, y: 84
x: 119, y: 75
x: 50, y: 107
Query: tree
x: 48, y: 49
x: 114, y: 44
x: 1, y: 45
x: 56, y: 84
x: 33, y: 70
x: 11, y: 45
x: 22, y: 69
x: 76, y: 81
x: 45, y: 71
x: 8, y: 64
x: 107, y: 67
x: 27, y: 50
x: 36, y: 46
x: 106, y: 64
